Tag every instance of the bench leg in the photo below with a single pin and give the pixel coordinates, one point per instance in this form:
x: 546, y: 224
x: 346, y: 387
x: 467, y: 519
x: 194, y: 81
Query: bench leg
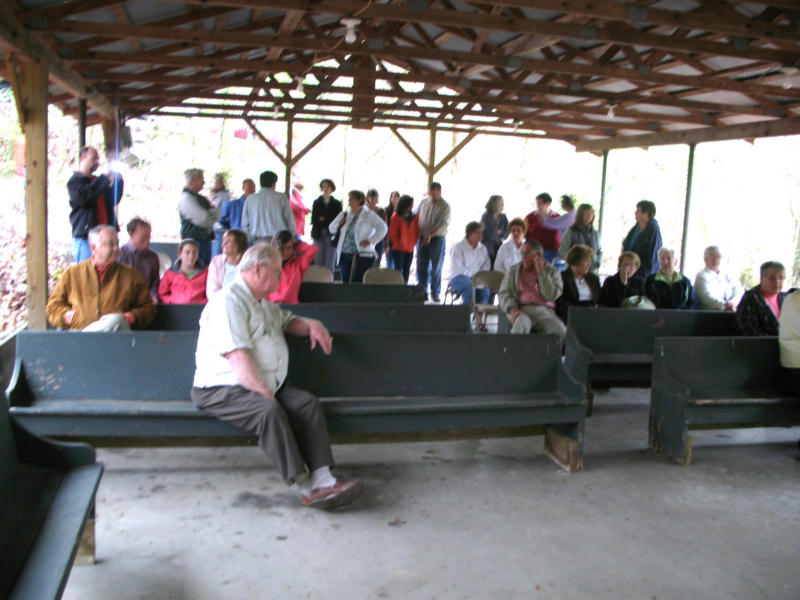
x: 564, y: 445
x: 669, y: 432
x: 86, y: 547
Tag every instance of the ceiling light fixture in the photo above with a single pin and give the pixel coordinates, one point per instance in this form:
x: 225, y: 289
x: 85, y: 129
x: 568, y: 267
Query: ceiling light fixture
x: 299, y: 88
x: 350, y: 35
x: 610, y: 113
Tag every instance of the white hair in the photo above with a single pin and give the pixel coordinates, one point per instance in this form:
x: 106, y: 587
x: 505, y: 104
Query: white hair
x: 664, y: 250
x: 258, y: 254
x: 191, y: 174
x: 711, y: 250
x: 94, y: 233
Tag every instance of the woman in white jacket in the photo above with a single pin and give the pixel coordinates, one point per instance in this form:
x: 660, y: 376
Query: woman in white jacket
x: 359, y: 229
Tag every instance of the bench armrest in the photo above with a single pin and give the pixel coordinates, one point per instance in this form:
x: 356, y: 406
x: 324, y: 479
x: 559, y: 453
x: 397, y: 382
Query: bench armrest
x: 37, y: 450
x: 569, y: 386
x: 18, y: 393
x: 577, y: 357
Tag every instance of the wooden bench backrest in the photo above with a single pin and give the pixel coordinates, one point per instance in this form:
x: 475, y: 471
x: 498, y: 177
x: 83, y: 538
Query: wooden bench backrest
x: 340, y: 318
x: 357, y: 292
x: 146, y: 365
x: 627, y: 331
x: 720, y: 363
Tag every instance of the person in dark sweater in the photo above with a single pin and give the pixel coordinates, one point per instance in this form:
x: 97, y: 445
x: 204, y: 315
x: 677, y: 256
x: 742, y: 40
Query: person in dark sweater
x: 644, y: 238
x: 581, y: 286
x: 760, y: 307
x: 323, y: 212
x: 622, y: 284
x: 668, y: 288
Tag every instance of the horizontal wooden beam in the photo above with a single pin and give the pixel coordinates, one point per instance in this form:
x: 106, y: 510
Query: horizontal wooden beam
x: 642, y: 74
x: 14, y: 35
x: 459, y: 84
x: 453, y: 18
x: 452, y: 127
x: 777, y: 127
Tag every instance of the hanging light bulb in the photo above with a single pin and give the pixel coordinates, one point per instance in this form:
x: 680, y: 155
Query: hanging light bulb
x: 299, y: 88
x: 350, y: 35
x: 275, y: 112
x: 610, y: 114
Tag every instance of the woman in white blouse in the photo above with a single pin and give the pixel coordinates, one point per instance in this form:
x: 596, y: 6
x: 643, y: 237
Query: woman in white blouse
x: 467, y: 258
x: 510, y: 252
x: 715, y: 290
x: 359, y: 229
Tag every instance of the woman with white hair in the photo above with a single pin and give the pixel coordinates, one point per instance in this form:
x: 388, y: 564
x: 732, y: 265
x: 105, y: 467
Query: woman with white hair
x: 715, y: 290
x: 667, y: 287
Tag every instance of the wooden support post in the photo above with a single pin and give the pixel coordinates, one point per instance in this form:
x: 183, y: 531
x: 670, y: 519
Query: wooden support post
x: 431, y: 155
x: 32, y: 79
x: 287, y: 163
x: 687, y: 205
x: 81, y: 123
x: 602, y: 196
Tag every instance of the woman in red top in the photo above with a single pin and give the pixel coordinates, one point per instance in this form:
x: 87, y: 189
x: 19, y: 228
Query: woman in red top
x: 185, y: 282
x: 403, y: 235
x: 550, y: 239
x: 296, y: 257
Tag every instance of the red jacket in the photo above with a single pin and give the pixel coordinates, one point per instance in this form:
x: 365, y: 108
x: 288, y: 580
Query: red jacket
x: 550, y: 239
x: 176, y: 288
x: 292, y: 274
x: 402, y: 234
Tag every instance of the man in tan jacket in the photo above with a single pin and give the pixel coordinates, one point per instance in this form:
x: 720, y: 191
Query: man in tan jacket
x: 101, y: 294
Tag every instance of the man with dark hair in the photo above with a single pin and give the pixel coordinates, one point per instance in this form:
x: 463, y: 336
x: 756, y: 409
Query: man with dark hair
x: 137, y: 254
x: 267, y: 212
x: 434, y: 218
x: 88, y: 202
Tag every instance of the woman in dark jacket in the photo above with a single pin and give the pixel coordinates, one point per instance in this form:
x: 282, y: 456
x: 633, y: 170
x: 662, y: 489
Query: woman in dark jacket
x: 622, y: 285
x: 495, y: 226
x: 323, y: 212
x: 760, y: 307
x: 581, y: 286
x: 667, y: 288
x: 582, y: 231
x: 644, y: 238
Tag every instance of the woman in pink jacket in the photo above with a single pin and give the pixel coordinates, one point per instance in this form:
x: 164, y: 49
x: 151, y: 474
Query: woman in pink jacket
x: 296, y: 257
x: 185, y: 282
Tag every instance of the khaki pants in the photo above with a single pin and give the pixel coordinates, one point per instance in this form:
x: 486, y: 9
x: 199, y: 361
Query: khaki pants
x: 539, y: 319
x: 291, y: 430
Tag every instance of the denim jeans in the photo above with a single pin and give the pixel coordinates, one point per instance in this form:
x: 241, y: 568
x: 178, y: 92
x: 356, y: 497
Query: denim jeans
x: 80, y: 249
x: 401, y: 261
x: 430, y: 258
x: 463, y: 285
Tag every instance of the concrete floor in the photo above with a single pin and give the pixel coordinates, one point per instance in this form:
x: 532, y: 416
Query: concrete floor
x: 470, y: 519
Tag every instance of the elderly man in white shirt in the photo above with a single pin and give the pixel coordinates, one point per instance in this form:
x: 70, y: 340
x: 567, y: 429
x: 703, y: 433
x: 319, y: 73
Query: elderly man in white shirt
x: 242, y: 361
x: 510, y: 252
x: 467, y: 258
x: 715, y: 290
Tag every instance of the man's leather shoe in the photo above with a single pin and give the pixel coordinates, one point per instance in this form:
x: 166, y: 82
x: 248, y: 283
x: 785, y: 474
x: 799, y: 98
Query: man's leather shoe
x: 334, y: 496
x: 436, y: 299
